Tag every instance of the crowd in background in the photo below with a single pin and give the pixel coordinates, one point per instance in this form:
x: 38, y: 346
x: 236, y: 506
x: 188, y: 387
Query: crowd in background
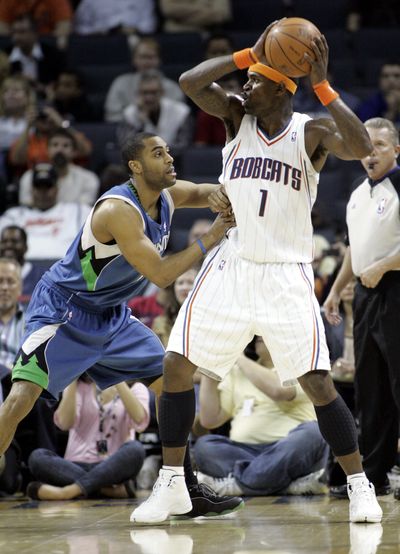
x: 53, y: 167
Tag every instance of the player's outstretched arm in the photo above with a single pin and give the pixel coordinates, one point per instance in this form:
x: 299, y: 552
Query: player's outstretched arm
x: 345, y: 136
x: 186, y: 194
x: 116, y: 220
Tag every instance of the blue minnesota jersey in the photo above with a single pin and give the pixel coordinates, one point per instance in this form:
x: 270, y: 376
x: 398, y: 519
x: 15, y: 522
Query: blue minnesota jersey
x: 97, y: 273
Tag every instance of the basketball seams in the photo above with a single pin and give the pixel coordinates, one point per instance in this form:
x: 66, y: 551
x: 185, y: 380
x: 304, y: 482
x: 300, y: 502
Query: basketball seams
x: 295, y: 39
x: 287, y: 43
x: 299, y: 68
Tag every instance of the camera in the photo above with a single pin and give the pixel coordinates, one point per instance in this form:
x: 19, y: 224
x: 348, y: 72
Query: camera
x: 101, y: 446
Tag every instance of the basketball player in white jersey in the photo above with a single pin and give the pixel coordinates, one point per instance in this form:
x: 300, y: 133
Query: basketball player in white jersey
x: 260, y: 280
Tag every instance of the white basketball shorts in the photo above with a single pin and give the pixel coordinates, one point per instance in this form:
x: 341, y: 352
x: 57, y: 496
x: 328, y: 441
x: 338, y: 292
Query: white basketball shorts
x: 234, y: 299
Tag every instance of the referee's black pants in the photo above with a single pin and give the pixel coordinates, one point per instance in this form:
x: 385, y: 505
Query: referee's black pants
x: 377, y: 378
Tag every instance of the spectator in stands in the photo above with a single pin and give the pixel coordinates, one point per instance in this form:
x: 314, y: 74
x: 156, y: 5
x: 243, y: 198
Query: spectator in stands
x: 68, y: 97
x: 51, y: 226
x: 210, y: 130
x: 326, y: 260
x: 370, y: 13
x: 113, y: 174
x: 174, y: 296
x: 102, y: 455
x: 37, y: 430
x: 152, y: 111
x: 196, y: 15
x: 274, y: 445
x: 11, y: 315
x: 386, y: 101
x: 75, y: 183
x: 52, y: 17
x: 39, y: 62
x: 14, y: 245
x: 16, y: 101
x: 305, y: 100
x: 198, y: 229
x: 4, y: 66
x: 32, y: 145
x: 218, y: 44
x: 145, y: 56
x: 125, y: 16
x: 148, y: 308
x: 11, y: 325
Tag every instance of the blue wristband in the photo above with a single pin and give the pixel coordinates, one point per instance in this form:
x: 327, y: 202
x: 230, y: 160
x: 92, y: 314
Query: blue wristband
x: 202, y: 247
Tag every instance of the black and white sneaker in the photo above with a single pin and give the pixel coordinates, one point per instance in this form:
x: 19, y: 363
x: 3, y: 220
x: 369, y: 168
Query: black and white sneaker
x: 206, y: 503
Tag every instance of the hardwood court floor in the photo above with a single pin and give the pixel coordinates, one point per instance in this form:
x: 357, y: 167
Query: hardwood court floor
x: 279, y: 525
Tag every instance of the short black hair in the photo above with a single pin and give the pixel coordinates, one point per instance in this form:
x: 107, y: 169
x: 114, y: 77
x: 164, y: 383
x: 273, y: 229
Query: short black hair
x: 61, y: 132
x: 133, y: 147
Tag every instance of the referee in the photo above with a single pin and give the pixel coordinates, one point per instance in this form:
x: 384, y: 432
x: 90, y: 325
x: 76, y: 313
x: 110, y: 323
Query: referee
x: 373, y: 256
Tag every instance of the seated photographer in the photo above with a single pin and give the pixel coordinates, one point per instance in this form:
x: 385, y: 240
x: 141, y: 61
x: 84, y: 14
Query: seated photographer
x: 274, y: 445
x: 102, y: 456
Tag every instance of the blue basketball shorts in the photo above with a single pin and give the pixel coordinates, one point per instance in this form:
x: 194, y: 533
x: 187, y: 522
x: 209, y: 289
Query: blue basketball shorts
x: 63, y: 339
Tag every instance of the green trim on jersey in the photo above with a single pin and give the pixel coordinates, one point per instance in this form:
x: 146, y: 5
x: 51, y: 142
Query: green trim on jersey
x: 30, y: 371
x: 87, y: 270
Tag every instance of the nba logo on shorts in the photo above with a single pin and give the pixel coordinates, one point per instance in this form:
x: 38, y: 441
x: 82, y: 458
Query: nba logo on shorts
x: 293, y: 136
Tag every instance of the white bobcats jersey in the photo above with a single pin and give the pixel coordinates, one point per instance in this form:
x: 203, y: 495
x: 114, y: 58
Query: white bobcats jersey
x: 272, y: 187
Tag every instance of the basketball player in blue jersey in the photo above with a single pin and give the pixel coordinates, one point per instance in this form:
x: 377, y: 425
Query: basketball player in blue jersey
x: 260, y: 281
x: 78, y: 320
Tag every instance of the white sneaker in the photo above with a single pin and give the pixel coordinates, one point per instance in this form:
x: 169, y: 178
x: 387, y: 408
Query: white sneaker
x: 365, y: 538
x: 308, y: 484
x: 364, y: 507
x: 224, y: 486
x: 162, y: 542
x: 169, y: 497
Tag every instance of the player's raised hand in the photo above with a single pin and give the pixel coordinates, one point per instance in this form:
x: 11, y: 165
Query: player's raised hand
x: 219, y: 201
x: 220, y: 226
x: 258, y: 48
x: 319, y: 65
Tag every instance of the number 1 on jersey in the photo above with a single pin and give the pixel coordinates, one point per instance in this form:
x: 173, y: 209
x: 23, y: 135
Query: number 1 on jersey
x: 263, y: 203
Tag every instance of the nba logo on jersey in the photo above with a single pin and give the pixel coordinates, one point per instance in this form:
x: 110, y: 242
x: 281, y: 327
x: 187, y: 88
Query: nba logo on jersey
x: 221, y: 265
x: 293, y: 136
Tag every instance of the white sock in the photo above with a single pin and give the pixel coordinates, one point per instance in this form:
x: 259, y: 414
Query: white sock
x: 176, y: 469
x: 356, y: 477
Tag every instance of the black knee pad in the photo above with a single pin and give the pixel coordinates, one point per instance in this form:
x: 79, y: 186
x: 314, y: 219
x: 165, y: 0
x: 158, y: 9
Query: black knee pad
x: 337, y: 426
x: 176, y: 416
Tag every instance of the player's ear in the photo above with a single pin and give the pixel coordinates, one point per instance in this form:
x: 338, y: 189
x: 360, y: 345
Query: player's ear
x: 135, y: 166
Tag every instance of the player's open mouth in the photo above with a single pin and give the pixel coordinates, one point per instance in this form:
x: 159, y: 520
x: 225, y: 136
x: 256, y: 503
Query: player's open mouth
x: 171, y: 171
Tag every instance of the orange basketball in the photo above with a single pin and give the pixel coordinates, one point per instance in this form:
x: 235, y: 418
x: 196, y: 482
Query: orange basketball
x: 286, y: 44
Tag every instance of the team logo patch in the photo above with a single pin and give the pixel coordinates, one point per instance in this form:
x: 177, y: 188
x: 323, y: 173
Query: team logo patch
x: 381, y: 206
